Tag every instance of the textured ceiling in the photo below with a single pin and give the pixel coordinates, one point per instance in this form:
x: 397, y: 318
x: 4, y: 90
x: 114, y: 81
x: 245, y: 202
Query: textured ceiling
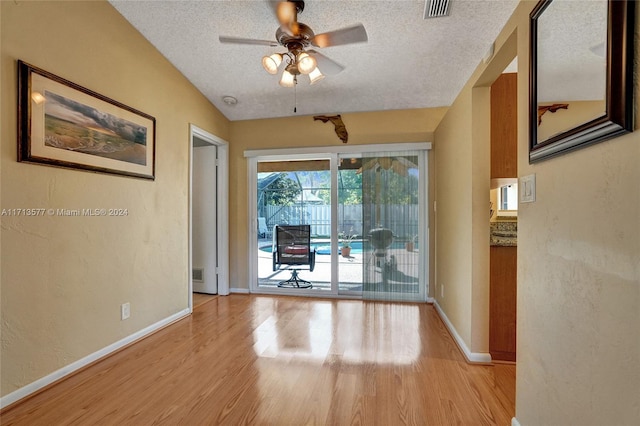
x: 571, y: 62
x: 408, y: 62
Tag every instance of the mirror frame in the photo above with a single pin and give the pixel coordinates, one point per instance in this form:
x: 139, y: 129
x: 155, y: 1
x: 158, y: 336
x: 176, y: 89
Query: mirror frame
x: 618, y: 117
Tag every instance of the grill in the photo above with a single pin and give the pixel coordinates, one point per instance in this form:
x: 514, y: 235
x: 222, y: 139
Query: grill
x: 381, y: 238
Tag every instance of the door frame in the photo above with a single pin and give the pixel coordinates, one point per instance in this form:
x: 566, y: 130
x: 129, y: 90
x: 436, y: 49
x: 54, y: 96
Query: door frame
x: 222, y: 209
x: 331, y: 153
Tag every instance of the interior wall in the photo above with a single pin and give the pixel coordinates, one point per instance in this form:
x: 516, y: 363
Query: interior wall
x: 480, y: 188
x: 577, y: 112
x: 463, y: 172
x: 363, y: 128
x: 64, y: 278
x: 578, y: 250
x: 453, y: 216
x: 579, y: 276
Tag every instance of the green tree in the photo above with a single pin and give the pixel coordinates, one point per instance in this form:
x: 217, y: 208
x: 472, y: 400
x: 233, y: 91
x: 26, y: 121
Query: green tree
x: 282, y: 192
x: 350, y: 187
x: 387, y: 187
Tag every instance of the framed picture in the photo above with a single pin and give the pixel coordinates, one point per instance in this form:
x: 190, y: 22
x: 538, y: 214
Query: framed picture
x: 581, y: 74
x: 63, y: 124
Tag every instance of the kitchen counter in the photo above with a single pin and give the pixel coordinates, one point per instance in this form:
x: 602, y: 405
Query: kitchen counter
x: 503, y: 233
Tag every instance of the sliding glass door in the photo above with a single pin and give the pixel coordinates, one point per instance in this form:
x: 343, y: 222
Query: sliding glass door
x: 350, y: 225
x: 368, y: 219
x: 292, y: 193
x: 379, y: 221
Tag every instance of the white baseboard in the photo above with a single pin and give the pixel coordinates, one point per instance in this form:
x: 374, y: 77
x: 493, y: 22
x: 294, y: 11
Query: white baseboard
x: 239, y: 290
x: 514, y: 422
x: 32, y: 387
x: 431, y: 300
x: 472, y: 357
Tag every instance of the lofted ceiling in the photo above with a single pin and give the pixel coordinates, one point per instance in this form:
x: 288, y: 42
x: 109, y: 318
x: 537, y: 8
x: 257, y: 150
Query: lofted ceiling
x: 408, y: 61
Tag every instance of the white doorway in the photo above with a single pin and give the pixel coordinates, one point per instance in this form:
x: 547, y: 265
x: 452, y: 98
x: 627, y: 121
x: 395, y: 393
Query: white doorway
x: 208, y: 225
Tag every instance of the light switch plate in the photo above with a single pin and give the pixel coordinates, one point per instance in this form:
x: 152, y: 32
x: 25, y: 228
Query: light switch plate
x: 527, y: 188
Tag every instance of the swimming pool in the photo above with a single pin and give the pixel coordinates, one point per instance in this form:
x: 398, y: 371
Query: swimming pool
x: 324, y: 247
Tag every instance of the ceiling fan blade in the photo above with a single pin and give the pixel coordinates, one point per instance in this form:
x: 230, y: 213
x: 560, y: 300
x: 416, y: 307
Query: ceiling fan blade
x: 237, y: 40
x: 286, y: 12
x: 348, y: 35
x: 327, y: 66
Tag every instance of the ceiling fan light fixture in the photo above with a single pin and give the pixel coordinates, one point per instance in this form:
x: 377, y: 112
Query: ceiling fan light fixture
x: 297, y: 38
x: 315, y: 76
x: 306, y: 63
x: 287, y: 80
x: 292, y: 68
x: 271, y: 63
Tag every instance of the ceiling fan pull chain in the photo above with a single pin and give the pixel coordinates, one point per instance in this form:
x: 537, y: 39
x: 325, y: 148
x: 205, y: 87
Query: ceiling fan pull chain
x: 295, y: 94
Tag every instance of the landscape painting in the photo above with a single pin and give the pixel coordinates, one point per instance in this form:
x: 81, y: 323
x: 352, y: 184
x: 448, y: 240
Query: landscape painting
x: 63, y: 124
x: 76, y: 127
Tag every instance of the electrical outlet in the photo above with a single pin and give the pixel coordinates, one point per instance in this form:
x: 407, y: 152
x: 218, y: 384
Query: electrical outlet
x: 125, y: 311
x: 442, y: 290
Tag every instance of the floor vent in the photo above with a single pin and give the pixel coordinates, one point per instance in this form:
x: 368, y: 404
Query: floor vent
x: 436, y: 8
x: 197, y: 274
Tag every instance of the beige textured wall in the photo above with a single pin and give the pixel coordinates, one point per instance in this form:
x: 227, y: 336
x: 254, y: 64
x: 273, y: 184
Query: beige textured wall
x: 579, y: 278
x: 463, y: 181
x: 480, y: 184
x: 578, y: 257
x: 577, y: 113
x: 453, y: 216
x: 364, y: 128
x: 64, y: 278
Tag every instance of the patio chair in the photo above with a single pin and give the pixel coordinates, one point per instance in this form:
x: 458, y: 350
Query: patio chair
x: 292, y: 247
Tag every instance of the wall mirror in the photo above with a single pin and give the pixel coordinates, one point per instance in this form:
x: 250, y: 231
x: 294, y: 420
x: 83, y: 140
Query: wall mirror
x: 581, y: 74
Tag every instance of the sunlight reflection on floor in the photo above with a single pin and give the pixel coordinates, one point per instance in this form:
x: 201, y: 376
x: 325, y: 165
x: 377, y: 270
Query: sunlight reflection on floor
x: 335, y: 328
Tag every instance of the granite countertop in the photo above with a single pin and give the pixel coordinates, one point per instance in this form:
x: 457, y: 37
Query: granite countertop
x: 503, y: 233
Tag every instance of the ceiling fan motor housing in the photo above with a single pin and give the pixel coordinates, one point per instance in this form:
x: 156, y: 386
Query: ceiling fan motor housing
x: 303, y: 38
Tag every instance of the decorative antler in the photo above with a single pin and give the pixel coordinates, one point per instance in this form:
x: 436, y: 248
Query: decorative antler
x: 340, y: 128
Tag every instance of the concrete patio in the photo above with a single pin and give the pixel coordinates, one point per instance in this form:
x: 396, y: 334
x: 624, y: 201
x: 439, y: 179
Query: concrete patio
x: 403, y: 278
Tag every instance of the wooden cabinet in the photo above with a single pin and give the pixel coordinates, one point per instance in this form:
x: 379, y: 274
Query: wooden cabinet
x: 503, y: 259
x: 504, y: 127
x: 502, y: 305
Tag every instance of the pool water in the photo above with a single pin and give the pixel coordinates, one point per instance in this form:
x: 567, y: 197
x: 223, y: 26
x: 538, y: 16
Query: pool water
x: 325, y: 248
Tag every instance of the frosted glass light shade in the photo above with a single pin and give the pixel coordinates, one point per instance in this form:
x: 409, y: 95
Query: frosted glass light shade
x: 287, y: 79
x: 315, y: 75
x: 271, y: 63
x: 306, y: 63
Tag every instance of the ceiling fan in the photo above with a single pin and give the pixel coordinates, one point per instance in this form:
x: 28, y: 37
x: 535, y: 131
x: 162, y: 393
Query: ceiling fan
x: 297, y: 37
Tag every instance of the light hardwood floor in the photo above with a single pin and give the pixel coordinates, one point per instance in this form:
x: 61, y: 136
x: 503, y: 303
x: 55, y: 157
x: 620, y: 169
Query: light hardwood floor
x: 200, y: 298
x: 262, y: 360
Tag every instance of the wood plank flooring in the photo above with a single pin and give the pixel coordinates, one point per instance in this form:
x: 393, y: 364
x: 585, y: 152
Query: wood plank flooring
x: 200, y: 298
x: 261, y: 360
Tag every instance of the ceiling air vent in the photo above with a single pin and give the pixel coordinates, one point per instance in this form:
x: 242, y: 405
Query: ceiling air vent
x: 436, y: 8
